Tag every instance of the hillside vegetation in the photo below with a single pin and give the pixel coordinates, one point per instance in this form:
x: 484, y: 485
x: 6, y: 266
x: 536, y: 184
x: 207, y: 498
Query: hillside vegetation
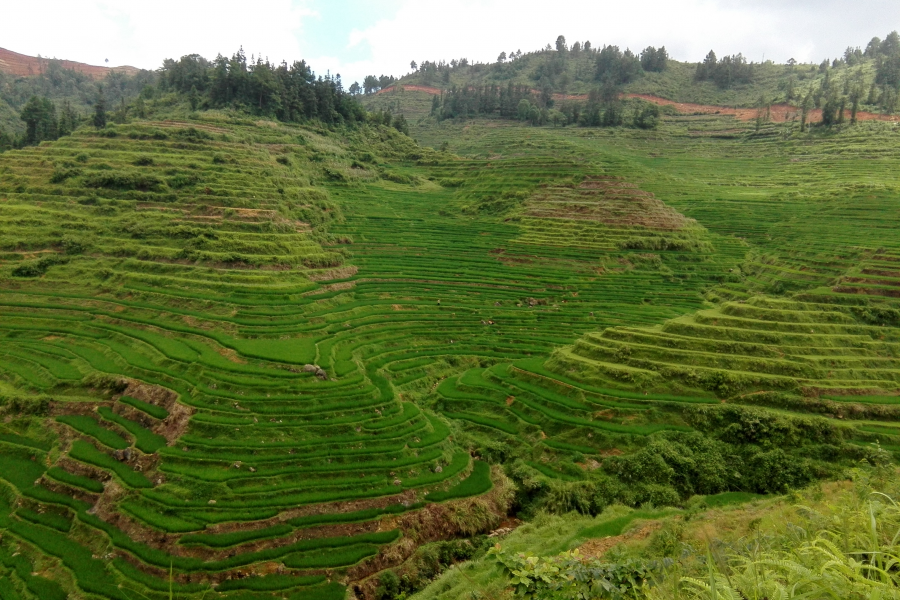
x: 286, y: 351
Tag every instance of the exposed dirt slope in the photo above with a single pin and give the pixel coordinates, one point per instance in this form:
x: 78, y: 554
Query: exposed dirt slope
x: 14, y: 63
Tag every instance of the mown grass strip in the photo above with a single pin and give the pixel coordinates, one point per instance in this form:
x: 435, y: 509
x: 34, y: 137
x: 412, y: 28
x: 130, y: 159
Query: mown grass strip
x: 86, y: 453
x: 89, y: 426
x: 478, y: 482
x: 157, y: 412
x: 270, y: 583
x: 330, y: 559
x: 144, y: 439
x: 79, y: 481
x: 225, y: 540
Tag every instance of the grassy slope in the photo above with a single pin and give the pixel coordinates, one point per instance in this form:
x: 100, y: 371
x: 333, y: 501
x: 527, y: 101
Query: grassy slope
x: 776, y: 532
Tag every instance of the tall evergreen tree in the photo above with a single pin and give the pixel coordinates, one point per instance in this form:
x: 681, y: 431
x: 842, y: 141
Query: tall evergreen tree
x: 99, y: 119
x: 40, y: 119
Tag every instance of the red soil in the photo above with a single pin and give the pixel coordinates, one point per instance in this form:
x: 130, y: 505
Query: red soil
x: 778, y: 113
x: 14, y: 63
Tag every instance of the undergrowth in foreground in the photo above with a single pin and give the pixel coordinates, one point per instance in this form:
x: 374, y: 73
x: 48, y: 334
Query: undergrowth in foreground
x: 833, y: 541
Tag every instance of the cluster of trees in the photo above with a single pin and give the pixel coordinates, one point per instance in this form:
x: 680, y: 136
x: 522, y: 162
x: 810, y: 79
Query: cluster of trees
x: 726, y: 71
x: 554, y: 67
x: 603, y: 108
x: 887, y: 60
x: 286, y: 92
x: 69, y: 94
x: 388, y: 119
x: 615, y: 67
x: 42, y: 122
x: 59, y: 83
x: 654, y: 59
x: 372, y: 84
x: 438, y: 72
x: 840, y: 99
x: 466, y: 101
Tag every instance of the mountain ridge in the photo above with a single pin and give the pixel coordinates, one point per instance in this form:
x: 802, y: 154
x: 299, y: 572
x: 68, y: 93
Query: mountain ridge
x: 14, y: 63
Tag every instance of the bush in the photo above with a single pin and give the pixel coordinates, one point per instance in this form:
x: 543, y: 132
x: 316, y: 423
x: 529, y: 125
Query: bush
x: 60, y: 174
x: 124, y: 180
x: 38, y: 267
x: 647, y: 117
x: 388, y: 586
x: 192, y: 134
x: 143, y: 161
x: 182, y: 180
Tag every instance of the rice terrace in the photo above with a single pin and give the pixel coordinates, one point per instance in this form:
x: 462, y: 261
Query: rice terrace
x: 577, y: 323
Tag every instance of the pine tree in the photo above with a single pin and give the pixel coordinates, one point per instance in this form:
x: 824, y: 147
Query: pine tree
x: 41, y: 124
x: 99, y: 119
x: 804, y: 111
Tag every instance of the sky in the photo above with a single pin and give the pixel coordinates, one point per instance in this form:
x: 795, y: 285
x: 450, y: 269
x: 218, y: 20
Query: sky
x: 355, y: 38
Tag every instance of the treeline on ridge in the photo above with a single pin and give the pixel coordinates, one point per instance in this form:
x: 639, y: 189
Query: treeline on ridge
x: 603, y: 107
x: 290, y: 93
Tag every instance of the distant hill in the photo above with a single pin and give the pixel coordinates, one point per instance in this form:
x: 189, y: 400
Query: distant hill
x: 549, y: 77
x: 13, y: 63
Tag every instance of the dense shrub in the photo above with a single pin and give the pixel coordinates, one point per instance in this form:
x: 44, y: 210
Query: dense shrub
x: 38, y: 267
x: 124, y: 180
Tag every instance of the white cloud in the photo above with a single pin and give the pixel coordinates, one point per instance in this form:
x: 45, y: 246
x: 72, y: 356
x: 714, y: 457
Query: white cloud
x: 481, y: 29
x: 142, y: 34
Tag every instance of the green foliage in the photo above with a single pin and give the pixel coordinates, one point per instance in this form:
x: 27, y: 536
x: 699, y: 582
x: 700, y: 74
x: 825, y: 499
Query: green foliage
x: 726, y: 71
x: 287, y: 92
x: 38, y: 267
x: 124, y: 180
x: 569, y: 575
x: 40, y: 119
x: 78, y: 481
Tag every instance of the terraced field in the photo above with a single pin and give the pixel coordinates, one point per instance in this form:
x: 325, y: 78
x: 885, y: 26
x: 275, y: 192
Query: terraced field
x: 248, y: 360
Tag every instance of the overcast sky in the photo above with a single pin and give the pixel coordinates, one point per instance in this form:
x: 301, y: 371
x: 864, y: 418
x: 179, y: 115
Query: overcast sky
x: 359, y: 37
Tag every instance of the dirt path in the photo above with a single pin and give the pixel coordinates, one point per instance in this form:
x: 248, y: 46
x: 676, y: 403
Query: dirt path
x: 778, y: 113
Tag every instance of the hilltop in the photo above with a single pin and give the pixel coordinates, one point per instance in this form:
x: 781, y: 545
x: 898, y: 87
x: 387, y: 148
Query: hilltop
x: 21, y: 65
x: 577, y: 84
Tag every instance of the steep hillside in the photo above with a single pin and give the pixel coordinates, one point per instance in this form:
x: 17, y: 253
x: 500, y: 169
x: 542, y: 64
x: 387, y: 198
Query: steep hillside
x: 21, y: 65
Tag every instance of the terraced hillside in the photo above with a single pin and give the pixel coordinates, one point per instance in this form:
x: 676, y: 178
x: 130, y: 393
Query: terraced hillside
x: 243, y: 359
x: 164, y: 282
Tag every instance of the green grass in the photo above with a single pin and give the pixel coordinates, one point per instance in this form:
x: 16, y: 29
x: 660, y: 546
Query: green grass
x: 477, y: 483
x: 87, y: 453
x: 77, y: 481
x: 89, y: 426
x: 157, y: 412
x: 144, y: 439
